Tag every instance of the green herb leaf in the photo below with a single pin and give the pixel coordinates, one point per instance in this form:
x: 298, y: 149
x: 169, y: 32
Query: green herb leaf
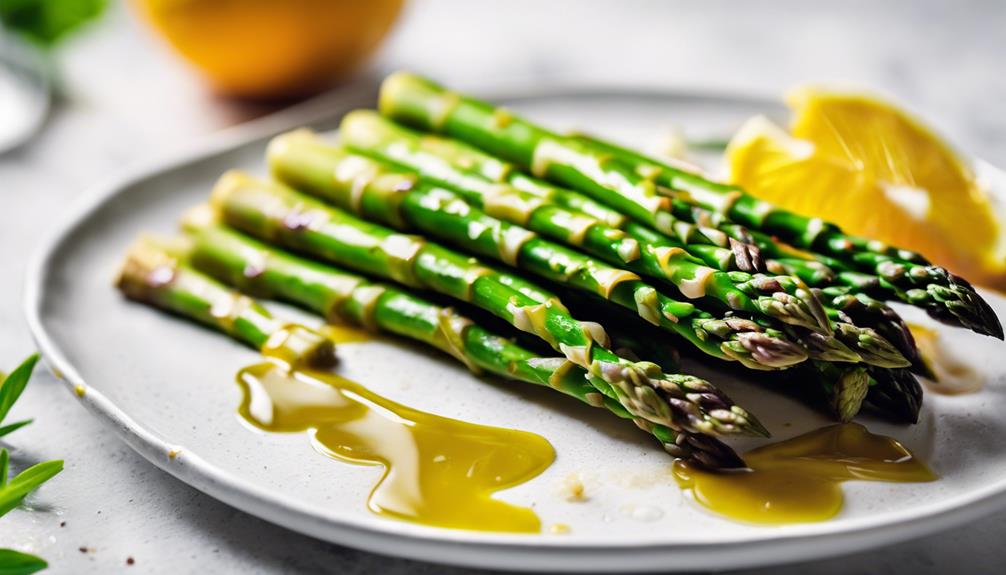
x: 25, y: 482
x: 11, y: 388
x: 4, y: 464
x: 17, y: 563
x: 46, y: 22
x: 13, y: 427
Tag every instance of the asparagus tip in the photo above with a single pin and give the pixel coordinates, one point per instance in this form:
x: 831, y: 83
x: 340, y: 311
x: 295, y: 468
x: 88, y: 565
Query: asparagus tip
x: 896, y: 394
x: 872, y: 348
x: 707, y: 451
x: 850, y: 391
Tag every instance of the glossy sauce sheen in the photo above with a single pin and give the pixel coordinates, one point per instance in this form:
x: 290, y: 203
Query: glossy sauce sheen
x: 799, y: 480
x: 438, y: 471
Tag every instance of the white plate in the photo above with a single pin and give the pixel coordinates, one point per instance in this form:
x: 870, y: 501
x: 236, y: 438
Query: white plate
x: 167, y: 387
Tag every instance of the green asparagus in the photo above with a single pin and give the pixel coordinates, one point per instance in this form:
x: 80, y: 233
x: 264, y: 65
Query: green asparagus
x: 359, y: 184
x: 954, y: 300
x: 263, y: 271
x: 285, y: 217
x: 668, y: 260
x: 895, y: 393
x: 153, y: 273
x: 443, y: 161
x: 307, y: 163
x: 640, y: 187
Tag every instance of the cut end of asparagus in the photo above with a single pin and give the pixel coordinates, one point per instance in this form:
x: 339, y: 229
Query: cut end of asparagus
x: 226, y: 184
x: 150, y: 263
x: 871, y: 347
x: 365, y: 129
x: 402, y: 91
x: 199, y: 218
x: 298, y: 347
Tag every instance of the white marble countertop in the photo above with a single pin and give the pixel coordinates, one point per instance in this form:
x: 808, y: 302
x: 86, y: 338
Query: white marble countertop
x: 127, y: 99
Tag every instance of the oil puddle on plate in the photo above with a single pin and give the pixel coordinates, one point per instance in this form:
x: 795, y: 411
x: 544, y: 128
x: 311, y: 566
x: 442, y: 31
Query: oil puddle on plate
x: 799, y: 480
x: 438, y: 471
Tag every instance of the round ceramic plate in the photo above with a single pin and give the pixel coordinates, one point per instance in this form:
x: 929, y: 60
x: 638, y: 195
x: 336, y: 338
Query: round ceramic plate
x: 168, y: 387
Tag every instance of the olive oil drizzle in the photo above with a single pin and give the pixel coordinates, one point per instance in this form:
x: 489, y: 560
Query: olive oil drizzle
x: 799, y: 480
x: 438, y: 471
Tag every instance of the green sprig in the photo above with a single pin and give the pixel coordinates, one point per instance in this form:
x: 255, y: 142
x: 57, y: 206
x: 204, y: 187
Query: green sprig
x: 14, y: 490
x: 17, y: 563
x: 11, y: 388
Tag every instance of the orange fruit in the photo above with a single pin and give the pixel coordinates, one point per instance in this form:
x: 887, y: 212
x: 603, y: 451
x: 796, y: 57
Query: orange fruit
x: 272, y: 48
x: 877, y: 172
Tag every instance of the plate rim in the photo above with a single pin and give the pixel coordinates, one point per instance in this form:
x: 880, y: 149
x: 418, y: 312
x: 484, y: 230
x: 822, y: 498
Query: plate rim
x: 525, y: 552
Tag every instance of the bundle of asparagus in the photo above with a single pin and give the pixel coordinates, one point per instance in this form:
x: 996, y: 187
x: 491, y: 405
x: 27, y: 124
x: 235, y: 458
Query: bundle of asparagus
x: 659, y: 195
x: 282, y: 216
x: 594, y: 223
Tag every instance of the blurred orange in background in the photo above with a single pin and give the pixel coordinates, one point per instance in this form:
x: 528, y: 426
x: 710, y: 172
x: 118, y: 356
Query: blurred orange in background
x: 273, y: 48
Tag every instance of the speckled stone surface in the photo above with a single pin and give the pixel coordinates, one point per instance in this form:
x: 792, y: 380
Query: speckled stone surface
x: 127, y: 99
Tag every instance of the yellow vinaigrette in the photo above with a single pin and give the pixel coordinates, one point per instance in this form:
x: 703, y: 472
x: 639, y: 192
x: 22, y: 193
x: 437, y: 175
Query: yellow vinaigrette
x: 799, y: 480
x: 438, y: 471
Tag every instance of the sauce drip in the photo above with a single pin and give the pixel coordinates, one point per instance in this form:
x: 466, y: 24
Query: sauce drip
x: 340, y: 333
x: 438, y: 471
x: 799, y: 480
x: 954, y: 377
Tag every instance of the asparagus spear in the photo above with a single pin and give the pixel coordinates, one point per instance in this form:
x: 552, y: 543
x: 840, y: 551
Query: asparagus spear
x: 284, y: 217
x: 154, y: 274
x: 266, y: 272
x: 636, y: 185
x: 669, y: 260
x: 362, y: 185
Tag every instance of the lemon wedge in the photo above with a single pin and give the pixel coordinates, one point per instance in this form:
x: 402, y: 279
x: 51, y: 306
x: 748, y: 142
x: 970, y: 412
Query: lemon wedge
x: 876, y: 171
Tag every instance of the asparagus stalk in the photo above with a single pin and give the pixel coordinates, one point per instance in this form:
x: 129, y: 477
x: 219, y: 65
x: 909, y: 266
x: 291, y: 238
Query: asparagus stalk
x: 154, y: 274
x: 667, y: 259
x: 266, y: 272
x: 282, y: 216
x: 361, y: 185
x: 637, y: 186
